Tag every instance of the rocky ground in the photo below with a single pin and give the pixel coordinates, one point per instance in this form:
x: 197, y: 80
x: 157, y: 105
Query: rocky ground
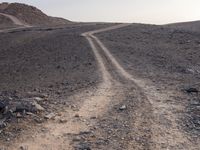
x: 40, y: 67
x: 193, y: 26
x: 169, y: 59
x: 138, y: 89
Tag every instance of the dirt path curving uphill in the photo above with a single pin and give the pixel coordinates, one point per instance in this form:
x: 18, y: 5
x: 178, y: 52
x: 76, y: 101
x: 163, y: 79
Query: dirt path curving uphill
x: 150, y: 125
x: 93, y: 104
x: 163, y: 136
x: 15, y: 20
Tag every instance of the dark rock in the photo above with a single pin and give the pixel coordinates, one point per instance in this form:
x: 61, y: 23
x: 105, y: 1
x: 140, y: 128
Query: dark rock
x: 39, y: 120
x: 77, y: 115
x: 58, y: 67
x: 50, y: 86
x: 2, y: 106
x: 21, y: 107
x: 28, y: 107
x: 58, y: 92
x: 63, y: 120
x: 23, y: 147
x: 191, y: 90
x: 83, y: 146
x: 85, y: 132
x: 102, y: 141
x: 93, y: 117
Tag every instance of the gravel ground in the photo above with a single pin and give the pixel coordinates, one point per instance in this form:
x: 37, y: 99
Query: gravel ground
x: 169, y: 59
x: 155, y: 107
x: 44, y: 62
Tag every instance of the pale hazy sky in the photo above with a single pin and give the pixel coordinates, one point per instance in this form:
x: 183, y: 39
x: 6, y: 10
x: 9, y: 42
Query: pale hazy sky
x: 141, y: 11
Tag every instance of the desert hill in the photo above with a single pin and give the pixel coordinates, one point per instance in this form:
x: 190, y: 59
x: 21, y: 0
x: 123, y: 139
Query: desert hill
x: 30, y: 15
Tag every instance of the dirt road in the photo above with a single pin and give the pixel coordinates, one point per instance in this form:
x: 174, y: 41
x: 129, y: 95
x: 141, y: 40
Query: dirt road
x: 16, y: 21
x: 163, y: 136
x: 122, y: 112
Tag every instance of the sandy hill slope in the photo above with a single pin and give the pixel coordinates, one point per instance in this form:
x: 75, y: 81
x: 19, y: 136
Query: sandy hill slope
x: 5, y: 21
x: 30, y: 15
x: 193, y: 26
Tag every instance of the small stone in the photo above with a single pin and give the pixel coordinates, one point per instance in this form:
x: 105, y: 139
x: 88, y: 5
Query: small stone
x: 31, y: 114
x: 39, y: 120
x: 10, y: 98
x: 85, y: 132
x: 50, y: 116
x: 58, y: 92
x: 38, y: 99
x: 83, y: 146
x: 35, y: 89
x: 123, y: 107
x: 74, y: 107
x: 18, y: 115
x: 63, y: 120
x: 59, y: 114
x: 93, y: 117
x: 77, y: 115
x: 50, y: 86
x: 38, y: 107
x: 192, y: 90
x: 23, y: 147
x: 43, y: 95
x: 2, y: 106
x: 198, y: 107
x: 77, y: 139
x: 36, y: 94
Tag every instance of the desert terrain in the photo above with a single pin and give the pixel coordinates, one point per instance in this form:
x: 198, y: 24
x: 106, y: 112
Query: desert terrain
x: 97, y: 86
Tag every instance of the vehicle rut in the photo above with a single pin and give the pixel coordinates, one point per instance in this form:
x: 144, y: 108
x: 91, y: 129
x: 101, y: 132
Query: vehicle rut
x: 96, y: 102
x: 168, y: 135
x: 16, y: 21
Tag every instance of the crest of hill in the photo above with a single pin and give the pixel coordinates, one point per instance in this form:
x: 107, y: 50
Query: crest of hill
x: 30, y: 15
x: 193, y: 26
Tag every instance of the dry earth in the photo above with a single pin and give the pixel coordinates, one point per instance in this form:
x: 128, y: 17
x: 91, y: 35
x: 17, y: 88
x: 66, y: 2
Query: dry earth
x: 102, y: 86
x: 166, y: 60
x: 31, y: 15
x: 5, y: 22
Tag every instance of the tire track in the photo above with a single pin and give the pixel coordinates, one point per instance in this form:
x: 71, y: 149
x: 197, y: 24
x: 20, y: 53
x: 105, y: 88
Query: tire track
x: 94, y: 103
x: 100, y: 100
x: 164, y: 136
x: 16, y: 21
